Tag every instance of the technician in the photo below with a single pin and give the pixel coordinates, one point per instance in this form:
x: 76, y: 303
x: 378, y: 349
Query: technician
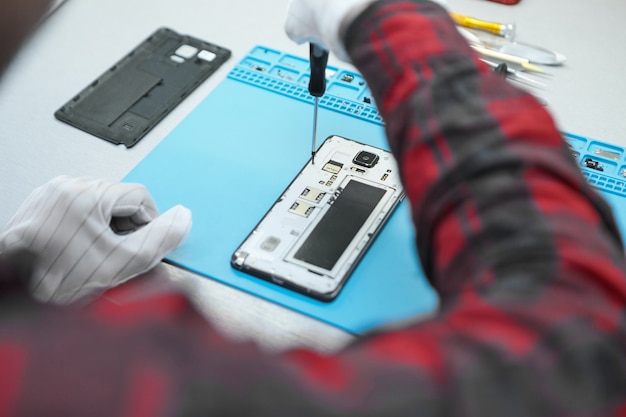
x: 525, y: 255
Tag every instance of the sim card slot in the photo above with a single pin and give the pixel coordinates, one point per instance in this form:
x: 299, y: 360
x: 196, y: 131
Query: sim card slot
x: 312, y: 194
x: 301, y: 208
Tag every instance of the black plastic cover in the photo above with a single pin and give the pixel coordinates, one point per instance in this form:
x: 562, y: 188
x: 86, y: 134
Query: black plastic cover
x: 129, y: 99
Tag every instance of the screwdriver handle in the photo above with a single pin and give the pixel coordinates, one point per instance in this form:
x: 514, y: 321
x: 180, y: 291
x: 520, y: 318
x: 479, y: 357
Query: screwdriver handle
x: 317, y: 82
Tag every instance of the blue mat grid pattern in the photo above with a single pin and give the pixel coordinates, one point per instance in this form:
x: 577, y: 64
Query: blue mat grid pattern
x: 346, y: 91
x: 604, y: 165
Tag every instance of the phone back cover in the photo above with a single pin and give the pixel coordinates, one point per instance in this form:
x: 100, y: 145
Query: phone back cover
x: 130, y: 98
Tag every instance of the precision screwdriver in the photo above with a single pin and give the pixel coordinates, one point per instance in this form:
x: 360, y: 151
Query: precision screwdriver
x: 317, y: 85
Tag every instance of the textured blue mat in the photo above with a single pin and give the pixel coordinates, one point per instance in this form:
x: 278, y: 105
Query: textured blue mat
x: 237, y: 151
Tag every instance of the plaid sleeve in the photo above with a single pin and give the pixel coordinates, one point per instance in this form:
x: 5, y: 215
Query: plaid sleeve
x: 525, y: 256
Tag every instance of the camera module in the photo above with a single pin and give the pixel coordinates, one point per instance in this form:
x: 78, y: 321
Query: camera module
x: 366, y: 159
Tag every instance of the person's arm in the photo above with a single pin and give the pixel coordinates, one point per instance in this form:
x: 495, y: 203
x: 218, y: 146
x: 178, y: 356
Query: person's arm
x: 489, y: 177
x: 525, y: 256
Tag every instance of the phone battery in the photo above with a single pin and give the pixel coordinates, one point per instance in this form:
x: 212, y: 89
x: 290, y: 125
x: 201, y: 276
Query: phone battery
x: 137, y: 92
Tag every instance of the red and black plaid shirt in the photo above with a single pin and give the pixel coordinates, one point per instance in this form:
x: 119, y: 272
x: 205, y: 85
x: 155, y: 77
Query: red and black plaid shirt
x: 525, y: 256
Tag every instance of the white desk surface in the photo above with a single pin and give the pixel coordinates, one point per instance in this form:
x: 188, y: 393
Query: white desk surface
x: 84, y: 37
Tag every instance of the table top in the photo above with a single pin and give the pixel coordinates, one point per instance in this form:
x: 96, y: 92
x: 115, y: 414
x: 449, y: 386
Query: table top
x: 76, y: 43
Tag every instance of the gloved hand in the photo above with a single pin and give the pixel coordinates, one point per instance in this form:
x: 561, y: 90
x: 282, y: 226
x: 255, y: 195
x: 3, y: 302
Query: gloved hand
x: 322, y: 21
x: 91, y: 235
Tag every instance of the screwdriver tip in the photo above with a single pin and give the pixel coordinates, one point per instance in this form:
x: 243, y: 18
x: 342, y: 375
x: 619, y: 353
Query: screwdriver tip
x: 313, y: 158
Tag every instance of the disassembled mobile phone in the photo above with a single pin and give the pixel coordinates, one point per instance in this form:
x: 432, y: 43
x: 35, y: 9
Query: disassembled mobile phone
x: 313, y: 236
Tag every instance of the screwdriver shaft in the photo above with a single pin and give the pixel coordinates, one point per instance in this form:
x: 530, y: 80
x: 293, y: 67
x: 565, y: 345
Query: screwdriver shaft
x: 314, y: 145
x: 317, y: 85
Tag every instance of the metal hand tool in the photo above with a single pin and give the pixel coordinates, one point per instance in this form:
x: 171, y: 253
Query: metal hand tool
x: 317, y: 85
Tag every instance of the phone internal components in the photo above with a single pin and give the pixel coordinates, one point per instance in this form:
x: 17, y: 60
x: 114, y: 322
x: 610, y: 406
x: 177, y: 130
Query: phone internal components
x: 333, y: 167
x: 301, y: 209
x: 366, y: 159
x: 312, y: 194
x: 270, y: 244
x: 340, y: 225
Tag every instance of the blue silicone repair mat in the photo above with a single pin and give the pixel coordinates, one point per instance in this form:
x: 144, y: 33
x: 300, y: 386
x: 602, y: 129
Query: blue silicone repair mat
x: 232, y: 157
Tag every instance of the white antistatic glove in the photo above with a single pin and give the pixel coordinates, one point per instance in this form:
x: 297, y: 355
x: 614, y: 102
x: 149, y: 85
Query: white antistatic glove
x: 322, y: 21
x: 91, y: 235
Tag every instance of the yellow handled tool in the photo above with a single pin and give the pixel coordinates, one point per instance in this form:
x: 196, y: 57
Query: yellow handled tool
x: 506, y: 30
